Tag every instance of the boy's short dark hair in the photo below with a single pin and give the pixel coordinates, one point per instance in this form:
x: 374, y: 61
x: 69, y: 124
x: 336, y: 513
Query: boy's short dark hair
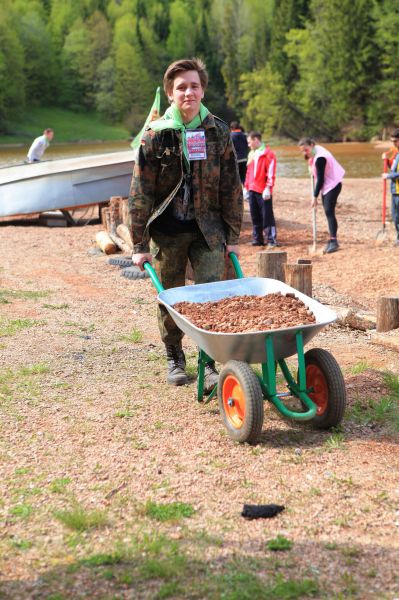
x: 185, y: 64
x: 255, y: 134
x: 395, y: 135
x: 306, y: 141
x: 234, y: 125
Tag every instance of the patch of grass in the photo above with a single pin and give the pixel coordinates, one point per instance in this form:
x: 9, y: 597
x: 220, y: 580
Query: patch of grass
x: 22, y: 471
x: 168, y: 589
x: 21, y: 544
x: 21, y: 511
x: 99, y: 560
x: 279, y: 544
x: 330, y: 545
x: 140, y: 301
x: 55, y: 306
x: 58, y: 486
x: 81, y: 519
x: 359, y: 367
x: 134, y: 337
x: 10, y: 327
x: 244, y: 585
x: 7, y: 295
x: 169, y: 566
x: 335, y: 441
x: 173, y: 511
x: 351, y: 586
x: 124, y: 413
x: 384, y: 411
x: 22, y: 382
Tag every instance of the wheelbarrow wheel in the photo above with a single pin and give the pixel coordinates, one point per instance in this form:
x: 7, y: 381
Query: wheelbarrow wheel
x: 324, y: 375
x: 241, y: 402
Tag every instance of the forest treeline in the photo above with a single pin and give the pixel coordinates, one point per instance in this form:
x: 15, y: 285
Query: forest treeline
x: 285, y: 67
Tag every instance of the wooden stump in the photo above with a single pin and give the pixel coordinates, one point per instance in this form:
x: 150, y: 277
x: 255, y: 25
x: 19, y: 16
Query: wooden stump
x: 115, y: 212
x: 105, y: 242
x: 299, y: 277
x: 387, y: 313
x: 106, y: 218
x: 124, y: 233
x: 125, y: 211
x: 271, y: 265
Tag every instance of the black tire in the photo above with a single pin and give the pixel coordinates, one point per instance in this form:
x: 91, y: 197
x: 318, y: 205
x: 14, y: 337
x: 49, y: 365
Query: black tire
x: 120, y: 261
x: 134, y: 272
x: 330, y: 391
x: 243, y: 421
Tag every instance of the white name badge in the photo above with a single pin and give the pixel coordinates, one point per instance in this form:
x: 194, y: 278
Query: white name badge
x: 196, y: 144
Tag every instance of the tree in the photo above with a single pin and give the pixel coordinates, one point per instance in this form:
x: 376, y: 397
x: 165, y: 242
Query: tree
x: 334, y: 58
x: 40, y: 66
x: 384, y: 107
x: 262, y: 91
x: 230, y: 67
x: 181, y: 38
x: 12, y: 78
x: 133, y: 87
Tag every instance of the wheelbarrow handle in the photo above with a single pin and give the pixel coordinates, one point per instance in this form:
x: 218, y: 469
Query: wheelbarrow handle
x: 153, y: 276
x: 159, y: 287
x: 237, y: 267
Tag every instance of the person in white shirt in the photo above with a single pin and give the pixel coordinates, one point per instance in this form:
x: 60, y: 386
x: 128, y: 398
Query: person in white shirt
x: 39, y: 145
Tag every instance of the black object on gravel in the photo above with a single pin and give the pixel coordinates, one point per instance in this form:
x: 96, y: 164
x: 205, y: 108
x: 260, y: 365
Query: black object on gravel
x: 261, y: 511
x: 134, y: 273
x: 120, y: 261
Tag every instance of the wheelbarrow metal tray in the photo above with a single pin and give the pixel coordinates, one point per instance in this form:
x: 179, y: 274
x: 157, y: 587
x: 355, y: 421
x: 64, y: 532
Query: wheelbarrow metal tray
x: 248, y: 347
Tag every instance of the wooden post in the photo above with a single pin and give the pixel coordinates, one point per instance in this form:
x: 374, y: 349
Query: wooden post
x: 115, y: 212
x: 125, y: 211
x: 271, y: 265
x: 387, y: 313
x: 299, y: 277
x: 124, y: 233
x: 105, y: 218
x: 106, y: 244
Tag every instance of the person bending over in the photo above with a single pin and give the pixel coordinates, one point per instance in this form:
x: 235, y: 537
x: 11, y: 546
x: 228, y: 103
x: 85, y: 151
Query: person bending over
x: 327, y: 178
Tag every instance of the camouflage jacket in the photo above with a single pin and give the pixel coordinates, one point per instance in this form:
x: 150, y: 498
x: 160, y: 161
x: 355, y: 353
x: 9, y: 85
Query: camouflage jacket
x: 217, y: 192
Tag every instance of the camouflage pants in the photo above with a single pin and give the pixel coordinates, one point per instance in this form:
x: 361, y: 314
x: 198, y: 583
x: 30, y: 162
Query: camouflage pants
x: 170, y: 254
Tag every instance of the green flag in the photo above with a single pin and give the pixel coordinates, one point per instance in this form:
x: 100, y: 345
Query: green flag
x: 152, y: 115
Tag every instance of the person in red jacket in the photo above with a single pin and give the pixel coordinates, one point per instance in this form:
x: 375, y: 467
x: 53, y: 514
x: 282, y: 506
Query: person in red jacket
x: 259, y: 183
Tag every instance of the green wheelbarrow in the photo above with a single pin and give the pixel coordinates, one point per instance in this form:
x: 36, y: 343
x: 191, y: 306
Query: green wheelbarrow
x: 319, y: 383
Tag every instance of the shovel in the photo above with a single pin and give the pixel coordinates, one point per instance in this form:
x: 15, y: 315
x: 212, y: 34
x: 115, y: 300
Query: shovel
x: 313, y: 247
x: 382, y: 235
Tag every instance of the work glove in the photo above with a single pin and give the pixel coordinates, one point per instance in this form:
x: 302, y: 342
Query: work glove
x: 245, y: 193
x: 266, y: 195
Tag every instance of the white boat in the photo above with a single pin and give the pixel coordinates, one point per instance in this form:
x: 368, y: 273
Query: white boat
x: 64, y: 184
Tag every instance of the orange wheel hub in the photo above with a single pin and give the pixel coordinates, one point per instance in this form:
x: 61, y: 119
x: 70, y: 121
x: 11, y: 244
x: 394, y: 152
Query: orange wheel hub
x: 315, y: 379
x: 233, y: 401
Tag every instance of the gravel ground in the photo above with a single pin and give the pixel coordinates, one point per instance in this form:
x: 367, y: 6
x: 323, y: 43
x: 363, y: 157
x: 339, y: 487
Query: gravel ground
x: 88, y: 424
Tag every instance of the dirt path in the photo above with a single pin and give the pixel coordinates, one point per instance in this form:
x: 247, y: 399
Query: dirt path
x: 95, y: 448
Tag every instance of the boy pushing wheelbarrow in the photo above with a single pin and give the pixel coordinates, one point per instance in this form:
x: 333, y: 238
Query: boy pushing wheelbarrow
x: 185, y: 200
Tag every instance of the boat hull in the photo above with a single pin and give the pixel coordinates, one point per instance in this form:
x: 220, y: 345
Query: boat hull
x: 67, y: 183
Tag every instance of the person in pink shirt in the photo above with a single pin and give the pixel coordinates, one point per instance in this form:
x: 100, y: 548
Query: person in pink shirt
x: 327, y: 177
x: 258, y: 190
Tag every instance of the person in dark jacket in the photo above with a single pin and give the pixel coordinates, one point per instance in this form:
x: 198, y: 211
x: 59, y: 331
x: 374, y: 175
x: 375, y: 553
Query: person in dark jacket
x: 241, y: 147
x: 185, y: 200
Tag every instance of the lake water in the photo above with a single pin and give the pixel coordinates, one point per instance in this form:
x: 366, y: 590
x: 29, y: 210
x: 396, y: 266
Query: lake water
x: 358, y: 159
